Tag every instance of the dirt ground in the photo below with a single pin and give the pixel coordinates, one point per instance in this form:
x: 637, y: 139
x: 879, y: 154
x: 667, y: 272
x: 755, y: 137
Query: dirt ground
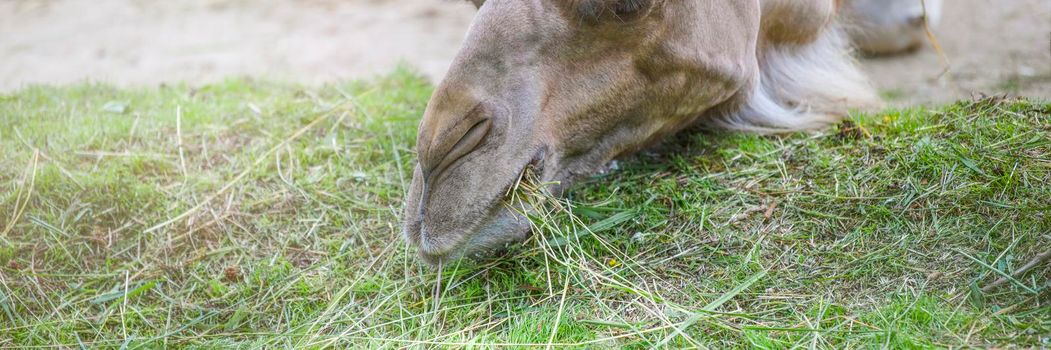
x: 992, y: 46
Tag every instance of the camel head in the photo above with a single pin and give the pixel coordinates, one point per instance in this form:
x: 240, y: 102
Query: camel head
x: 564, y: 86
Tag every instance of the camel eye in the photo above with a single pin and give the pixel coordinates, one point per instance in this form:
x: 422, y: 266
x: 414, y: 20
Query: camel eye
x: 627, y: 8
x: 622, y: 10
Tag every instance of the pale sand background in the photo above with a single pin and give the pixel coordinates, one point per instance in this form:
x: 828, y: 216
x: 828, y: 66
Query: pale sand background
x: 994, y: 46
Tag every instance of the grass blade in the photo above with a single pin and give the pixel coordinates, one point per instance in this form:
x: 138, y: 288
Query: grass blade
x: 715, y: 304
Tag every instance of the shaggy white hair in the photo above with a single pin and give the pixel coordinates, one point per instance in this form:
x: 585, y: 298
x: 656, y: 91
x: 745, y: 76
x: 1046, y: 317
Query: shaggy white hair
x: 801, y: 87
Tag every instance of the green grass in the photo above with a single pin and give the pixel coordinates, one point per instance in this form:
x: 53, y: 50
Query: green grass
x: 255, y: 214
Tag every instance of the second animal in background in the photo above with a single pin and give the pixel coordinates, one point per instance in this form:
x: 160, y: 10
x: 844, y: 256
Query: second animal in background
x: 882, y: 27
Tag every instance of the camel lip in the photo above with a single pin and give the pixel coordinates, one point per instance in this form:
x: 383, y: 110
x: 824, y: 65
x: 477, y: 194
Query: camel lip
x: 502, y: 220
x: 436, y: 260
x: 476, y: 245
x: 504, y: 225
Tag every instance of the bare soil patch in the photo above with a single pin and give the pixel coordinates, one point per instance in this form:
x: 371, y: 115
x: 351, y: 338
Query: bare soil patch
x: 992, y: 46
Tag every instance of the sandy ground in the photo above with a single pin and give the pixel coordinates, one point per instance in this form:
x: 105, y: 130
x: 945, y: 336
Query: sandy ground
x: 993, y: 46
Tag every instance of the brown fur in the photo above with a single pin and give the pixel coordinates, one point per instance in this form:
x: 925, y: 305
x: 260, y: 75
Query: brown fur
x: 794, y: 21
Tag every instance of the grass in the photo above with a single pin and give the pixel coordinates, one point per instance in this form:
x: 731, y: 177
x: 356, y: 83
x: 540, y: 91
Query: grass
x: 255, y: 214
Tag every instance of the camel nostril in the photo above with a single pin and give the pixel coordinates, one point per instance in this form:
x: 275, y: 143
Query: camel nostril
x: 451, y: 137
x: 457, y: 149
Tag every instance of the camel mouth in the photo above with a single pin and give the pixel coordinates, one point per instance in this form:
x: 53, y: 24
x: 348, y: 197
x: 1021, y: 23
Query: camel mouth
x: 507, y: 222
x: 501, y: 229
x: 527, y: 185
x: 476, y: 252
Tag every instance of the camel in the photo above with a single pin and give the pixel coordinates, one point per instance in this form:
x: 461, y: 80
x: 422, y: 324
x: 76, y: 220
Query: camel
x: 562, y: 87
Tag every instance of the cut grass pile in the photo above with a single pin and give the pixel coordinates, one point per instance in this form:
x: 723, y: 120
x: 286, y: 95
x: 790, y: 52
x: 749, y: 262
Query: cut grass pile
x: 257, y: 214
